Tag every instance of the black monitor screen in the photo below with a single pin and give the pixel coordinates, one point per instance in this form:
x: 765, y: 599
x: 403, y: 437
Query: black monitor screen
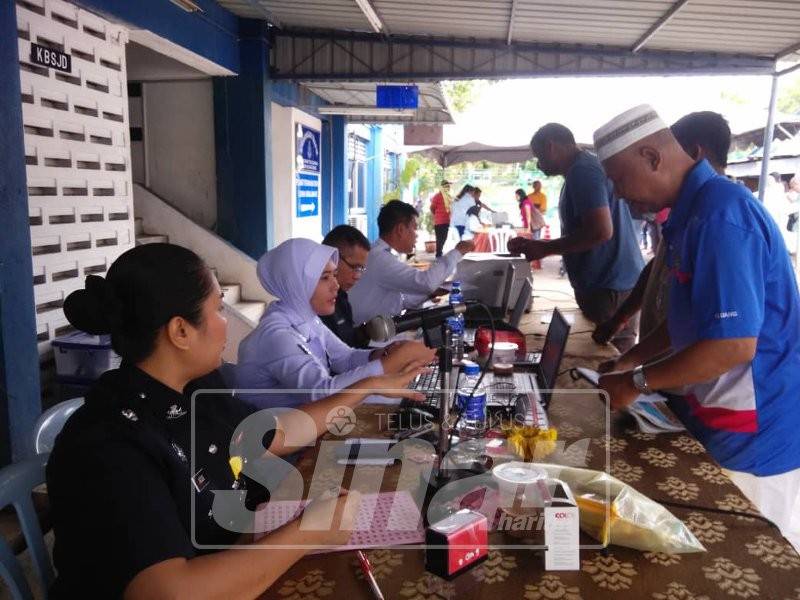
x: 553, y: 350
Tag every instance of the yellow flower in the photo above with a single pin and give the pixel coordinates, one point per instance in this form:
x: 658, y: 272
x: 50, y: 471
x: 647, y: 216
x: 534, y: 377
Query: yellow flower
x: 531, y: 443
x: 236, y: 464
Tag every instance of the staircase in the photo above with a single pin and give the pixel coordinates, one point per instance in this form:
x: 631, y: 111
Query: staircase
x: 231, y: 292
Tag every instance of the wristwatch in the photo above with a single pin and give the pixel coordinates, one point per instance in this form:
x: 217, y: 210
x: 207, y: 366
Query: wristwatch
x: 640, y: 381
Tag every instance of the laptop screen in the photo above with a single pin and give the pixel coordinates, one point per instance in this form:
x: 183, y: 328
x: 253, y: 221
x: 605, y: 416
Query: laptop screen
x: 553, y: 350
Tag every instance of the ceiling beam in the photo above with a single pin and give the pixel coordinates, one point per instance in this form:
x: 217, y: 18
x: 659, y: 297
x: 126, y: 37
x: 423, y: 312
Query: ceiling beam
x: 788, y: 70
x: 511, y: 16
x: 372, y: 16
x: 268, y: 16
x: 787, y: 51
x: 656, y: 27
x: 359, y: 56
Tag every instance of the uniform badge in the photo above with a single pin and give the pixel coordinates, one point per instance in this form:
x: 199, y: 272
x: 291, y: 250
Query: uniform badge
x: 200, y: 481
x: 179, y: 451
x: 129, y: 414
x: 175, y: 412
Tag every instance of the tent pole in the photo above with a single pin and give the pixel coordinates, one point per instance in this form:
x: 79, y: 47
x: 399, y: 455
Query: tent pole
x: 768, y: 133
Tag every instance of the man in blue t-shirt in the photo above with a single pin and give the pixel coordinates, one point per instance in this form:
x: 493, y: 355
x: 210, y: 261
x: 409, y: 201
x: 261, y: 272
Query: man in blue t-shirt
x: 598, y: 241
x: 733, y: 323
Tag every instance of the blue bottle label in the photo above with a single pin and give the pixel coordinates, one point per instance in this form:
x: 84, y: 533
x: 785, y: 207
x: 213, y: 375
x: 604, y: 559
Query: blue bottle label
x: 472, y: 408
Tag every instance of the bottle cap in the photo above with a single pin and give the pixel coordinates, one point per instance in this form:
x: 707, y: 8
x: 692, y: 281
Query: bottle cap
x: 471, y: 368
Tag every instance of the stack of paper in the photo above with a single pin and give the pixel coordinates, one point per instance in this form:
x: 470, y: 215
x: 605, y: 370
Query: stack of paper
x: 650, y: 411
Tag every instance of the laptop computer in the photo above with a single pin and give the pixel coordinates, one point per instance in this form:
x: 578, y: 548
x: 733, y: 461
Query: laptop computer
x: 545, y: 369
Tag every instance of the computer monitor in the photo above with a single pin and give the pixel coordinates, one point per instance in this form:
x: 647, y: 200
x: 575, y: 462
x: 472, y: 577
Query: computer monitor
x: 521, y: 305
x: 483, y: 277
x: 553, y: 351
x: 499, y: 219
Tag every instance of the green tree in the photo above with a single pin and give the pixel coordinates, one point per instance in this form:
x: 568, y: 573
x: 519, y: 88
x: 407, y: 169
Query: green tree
x: 463, y: 94
x: 789, y: 96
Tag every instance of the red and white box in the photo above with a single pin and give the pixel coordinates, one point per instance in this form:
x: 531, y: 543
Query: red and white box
x: 561, y: 528
x: 456, y: 543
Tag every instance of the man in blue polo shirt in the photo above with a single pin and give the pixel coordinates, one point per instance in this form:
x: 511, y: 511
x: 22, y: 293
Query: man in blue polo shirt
x: 598, y: 241
x: 733, y: 325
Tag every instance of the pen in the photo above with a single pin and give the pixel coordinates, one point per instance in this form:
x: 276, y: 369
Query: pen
x: 367, y: 569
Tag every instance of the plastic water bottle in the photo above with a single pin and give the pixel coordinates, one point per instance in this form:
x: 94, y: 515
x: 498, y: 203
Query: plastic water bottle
x: 472, y: 403
x: 456, y: 323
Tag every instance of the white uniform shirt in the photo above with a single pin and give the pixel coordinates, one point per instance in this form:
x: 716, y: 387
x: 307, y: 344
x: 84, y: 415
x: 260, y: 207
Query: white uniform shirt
x: 389, y: 285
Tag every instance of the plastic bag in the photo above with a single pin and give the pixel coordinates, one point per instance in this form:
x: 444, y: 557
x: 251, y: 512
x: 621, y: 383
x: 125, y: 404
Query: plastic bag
x: 632, y: 519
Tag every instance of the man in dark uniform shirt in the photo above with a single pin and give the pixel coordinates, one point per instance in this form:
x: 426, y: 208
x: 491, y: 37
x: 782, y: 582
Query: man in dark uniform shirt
x: 353, y: 251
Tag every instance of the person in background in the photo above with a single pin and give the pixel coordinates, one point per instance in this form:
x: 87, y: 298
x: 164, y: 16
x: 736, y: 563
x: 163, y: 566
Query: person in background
x: 538, y: 198
x: 777, y: 203
x: 474, y: 223
x: 353, y: 249
x: 118, y: 479
x: 532, y: 219
x: 793, y: 220
x: 458, y: 212
x: 703, y: 135
x: 440, y: 210
x: 476, y: 193
x: 291, y: 350
x: 598, y: 242
x: 733, y: 320
x: 389, y: 285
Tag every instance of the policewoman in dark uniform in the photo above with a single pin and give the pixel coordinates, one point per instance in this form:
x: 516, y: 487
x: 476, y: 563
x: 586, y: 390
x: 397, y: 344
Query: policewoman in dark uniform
x: 119, y: 476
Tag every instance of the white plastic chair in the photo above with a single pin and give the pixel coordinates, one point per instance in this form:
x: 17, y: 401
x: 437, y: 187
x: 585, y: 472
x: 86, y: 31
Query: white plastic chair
x: 498, y: 240
x: 51, y: 422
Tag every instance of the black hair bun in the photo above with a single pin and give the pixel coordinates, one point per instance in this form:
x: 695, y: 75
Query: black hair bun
x: 96, y: 309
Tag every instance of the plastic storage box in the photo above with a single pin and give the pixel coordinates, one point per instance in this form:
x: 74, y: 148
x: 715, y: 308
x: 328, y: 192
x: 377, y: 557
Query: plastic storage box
x: 81, y: 358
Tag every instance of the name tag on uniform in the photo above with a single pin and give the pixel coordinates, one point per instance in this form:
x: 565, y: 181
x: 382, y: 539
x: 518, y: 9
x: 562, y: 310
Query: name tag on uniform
x: 200, y: 481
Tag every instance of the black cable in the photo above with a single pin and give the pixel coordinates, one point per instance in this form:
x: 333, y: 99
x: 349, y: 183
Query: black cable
x: 721, y: 511
x: 483, y: 371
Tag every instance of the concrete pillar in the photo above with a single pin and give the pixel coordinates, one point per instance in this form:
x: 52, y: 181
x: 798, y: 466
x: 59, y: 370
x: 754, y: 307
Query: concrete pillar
x: 20, y: 396
x: 338, y: 170
x: 242, y: 126
x: 375, y: 180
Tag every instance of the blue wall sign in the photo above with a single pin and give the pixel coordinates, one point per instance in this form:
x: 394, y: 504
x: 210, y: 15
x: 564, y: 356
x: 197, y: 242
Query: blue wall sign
x: 307, y: 194
x: 308, y: 149
x: 397, y: 96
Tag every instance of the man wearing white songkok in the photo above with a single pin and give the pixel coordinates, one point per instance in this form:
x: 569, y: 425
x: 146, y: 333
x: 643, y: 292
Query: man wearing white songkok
x: 733, y: 318
x: 598, y: 241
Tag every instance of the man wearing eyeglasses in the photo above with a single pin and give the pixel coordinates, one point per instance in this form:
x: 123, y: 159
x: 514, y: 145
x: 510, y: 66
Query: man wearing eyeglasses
x: 390, y: 285
x: 353, y: 250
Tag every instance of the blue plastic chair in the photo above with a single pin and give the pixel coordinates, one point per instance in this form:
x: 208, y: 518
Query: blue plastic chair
x: 16, y: 483
x: 51, y: 422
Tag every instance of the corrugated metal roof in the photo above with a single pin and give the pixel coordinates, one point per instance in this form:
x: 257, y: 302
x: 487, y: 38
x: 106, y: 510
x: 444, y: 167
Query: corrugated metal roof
x: 749, y: 27
x: 432, y: 104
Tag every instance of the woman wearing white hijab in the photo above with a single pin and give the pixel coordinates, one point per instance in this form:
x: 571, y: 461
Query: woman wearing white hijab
x: 291, y: 349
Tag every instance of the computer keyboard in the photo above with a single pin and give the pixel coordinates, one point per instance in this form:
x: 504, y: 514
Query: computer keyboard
x: 428, y: 384
x: 518, y: 392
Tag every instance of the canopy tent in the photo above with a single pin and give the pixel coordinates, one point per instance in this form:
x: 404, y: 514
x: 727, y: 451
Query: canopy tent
x: 475, y: 151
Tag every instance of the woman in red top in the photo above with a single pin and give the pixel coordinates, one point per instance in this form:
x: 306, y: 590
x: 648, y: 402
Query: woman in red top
x: 532, y: 219
x: 440, y: 208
